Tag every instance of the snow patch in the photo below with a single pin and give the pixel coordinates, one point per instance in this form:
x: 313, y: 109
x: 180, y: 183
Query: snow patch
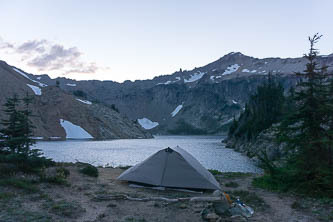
x: 245, y: 70
x: 26, y: 76
x: 253, y: 71
x: 73, y: 131
x: 71, y: 84
x: 178, y: 108
x: 231, y: 69
x: 212, y: 78
x: 54, y: 138
x: 195, y: 77
x: 234, y: 102
x: 147, y: 123
x: 36, y: 89
x: 169, y: 82
x: 39, y: 78
x: 84, y: 101
x: 228, y: 121
x: 37, y: 137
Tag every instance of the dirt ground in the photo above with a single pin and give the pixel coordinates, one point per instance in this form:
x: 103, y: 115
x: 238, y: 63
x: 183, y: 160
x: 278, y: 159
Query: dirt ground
x: 86, y: 199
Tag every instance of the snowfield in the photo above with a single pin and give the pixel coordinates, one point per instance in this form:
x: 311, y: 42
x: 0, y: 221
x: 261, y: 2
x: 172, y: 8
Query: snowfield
x: 195, y: 77
x: 71, y: 84
x: 84, y: 101
x: 73, y: 131
x: 26, y: 76
x: 231, y: 69
x: 147, y: 123
x: 178, y: 108
x: 234, y: 102
x: 36, y: 89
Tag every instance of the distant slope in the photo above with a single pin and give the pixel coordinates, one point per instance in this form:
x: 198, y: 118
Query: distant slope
x: 210, y: 95
x: 51, y: 104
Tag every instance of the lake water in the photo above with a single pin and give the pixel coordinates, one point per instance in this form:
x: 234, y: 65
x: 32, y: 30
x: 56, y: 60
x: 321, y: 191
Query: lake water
x: 209, y: 150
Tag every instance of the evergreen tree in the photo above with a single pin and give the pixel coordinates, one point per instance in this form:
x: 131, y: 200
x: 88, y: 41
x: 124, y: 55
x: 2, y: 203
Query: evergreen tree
x: 307, y: 131
x: 17, y: 128
x: 264, y: 108
x: 27, y: 126
x: 11, y: 133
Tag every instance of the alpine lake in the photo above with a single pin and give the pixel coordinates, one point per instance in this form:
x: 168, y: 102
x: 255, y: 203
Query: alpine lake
x: 208, y: 150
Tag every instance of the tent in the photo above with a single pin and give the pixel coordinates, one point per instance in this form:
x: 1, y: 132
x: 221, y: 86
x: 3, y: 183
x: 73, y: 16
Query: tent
x: 171, y: 167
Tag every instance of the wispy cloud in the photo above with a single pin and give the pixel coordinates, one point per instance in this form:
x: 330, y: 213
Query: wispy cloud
x: 5, y: 45
x: 47, y: 56
x: 32, y: 46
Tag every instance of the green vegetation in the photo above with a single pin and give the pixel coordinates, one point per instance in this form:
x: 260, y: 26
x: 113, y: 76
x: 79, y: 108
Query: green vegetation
x: 80, y: 93
x: 306, y: 130
x: 264, y: 108
x: 229, y: 175
x: 59, y: 177
x: 19, y: 183
x: 232, y: 184
x: 90, y: 170
x: 15, y: 139
x: 215, y: 172
x: 6, y: 196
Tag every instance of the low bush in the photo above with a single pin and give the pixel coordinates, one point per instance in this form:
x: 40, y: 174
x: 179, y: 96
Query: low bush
x: 89, y: 170
x: 57, y: 177
x: 232, y: 184
x: 19, y: 183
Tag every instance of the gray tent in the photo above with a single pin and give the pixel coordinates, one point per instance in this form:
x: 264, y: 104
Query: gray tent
x: 171, y: 168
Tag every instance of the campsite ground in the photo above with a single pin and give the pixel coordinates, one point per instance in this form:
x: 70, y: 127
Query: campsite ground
x: 87, y: 198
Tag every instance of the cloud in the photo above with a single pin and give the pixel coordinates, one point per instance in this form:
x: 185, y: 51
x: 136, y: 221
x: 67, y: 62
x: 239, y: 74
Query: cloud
x: 83, y: 68
x: 57, y: 58
x: 31, y: 46
x: 5, y: 45
x: 47, y: 56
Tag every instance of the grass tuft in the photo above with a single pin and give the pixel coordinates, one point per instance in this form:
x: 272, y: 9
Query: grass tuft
x: 19, y: 183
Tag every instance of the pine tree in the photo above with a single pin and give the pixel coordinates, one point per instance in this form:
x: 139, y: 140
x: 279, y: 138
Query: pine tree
x: 11, y: 140
x: 27, y: 126
x: 17, y: 128
x: 264, y: 108
x: 306, y: 131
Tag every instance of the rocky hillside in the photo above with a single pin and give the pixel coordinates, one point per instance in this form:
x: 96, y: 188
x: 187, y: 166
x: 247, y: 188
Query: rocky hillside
x: 199, y: 101
x: 60, y: 115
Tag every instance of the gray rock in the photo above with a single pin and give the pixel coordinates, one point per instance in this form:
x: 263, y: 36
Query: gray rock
x: 221, y: 208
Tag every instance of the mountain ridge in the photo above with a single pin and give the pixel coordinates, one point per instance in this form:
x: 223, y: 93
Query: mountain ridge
x: 210, y: 95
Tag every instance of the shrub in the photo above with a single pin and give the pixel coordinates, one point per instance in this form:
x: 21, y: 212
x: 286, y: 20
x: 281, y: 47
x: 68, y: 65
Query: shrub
x: 90, y: 170
x: 19, y: 183
x: 231, y: 184
x: 59, y: 177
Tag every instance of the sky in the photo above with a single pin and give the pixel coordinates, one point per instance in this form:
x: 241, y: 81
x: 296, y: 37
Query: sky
x: 139, y: 39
